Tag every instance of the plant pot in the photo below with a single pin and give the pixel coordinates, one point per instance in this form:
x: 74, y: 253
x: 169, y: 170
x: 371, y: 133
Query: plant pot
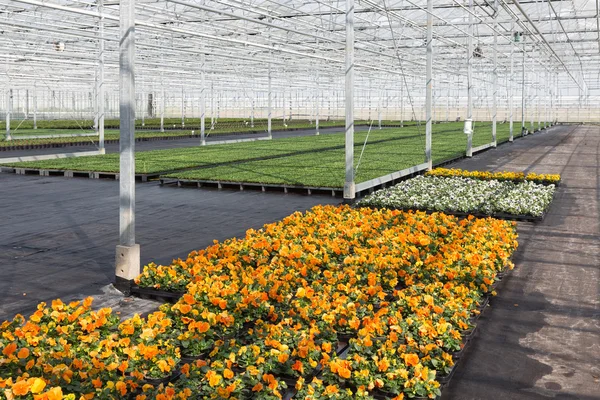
x: 289, y: 380
x: 190, y: 358
x: 156, y: 294
x: 164, y: 380
x: 467, y: 335
x: 382, y: 394
x: 445, y: 379
x: 457, y: 355
x: 345, y: 336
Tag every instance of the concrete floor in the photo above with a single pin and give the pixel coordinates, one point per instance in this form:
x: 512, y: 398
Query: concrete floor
x: 539, y: 339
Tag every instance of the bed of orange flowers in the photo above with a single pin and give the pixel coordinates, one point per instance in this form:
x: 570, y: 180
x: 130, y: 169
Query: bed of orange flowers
x: 269, y: 313
x: 545, y: 179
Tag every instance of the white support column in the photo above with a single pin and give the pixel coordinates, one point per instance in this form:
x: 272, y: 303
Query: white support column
x: 495, y: 78
x: 163, y: 98
x: 26, y: 103
x: 469, y: 120
x: 9, y: 100
x: 144, y: 104
x: 283, y: 106
x: 402, y: 83
x: 531, y: 98
x: 511, y: 138
x: 447, y: 102
x: 182, y: 108
x: 523, y: 129
x: 379, y: 105
x: 539, y: 101
x: 317, y: 97
x: 212, y: 105
x: 546, y: 97
x: 269, y: 104
x: 34, y: 105
x: 554, y: 98
x: 100, y: 80
x: 127, y: 252
x: 202, y: 98
x: 252, y: 112
x: 429, y: 84
x: 349, y: 185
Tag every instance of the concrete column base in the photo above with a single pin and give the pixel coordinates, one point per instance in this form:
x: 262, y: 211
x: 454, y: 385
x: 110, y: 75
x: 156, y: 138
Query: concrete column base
x: 123, y: 285
x: 127, y: 262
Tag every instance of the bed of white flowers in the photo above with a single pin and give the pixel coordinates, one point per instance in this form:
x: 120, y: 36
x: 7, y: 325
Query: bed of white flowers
x: 465, y: 195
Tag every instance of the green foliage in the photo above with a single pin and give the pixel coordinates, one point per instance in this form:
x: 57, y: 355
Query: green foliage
x: 308, y: 160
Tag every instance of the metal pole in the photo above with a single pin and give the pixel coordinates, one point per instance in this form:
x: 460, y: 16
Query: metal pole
x: 9, y: 98
x: 100, y: 81
x: 202, y: 98
x: 283, y: 106
x: 531, y: 90
x: 26, y: 103
x: 269, y: 104
x: 379, y: 108
x: 553, y: 99
x: 523, y: 130
x: 469, y: 120
x: 546, y: 98
x: 212, y: 105
x: 143, y: 100
x: 252, y: 113
x: 162, y: 95
x: 182, y: 108
x: 429, y: 84
x: 349, y: 187
x: 495, y: 83
x: 511, y: 92
x: 128, y: 252
x: 34, y: 105
x: 402, y: 81
x: 447, y: 101
x: 317, y: 104
x: 539, y: 102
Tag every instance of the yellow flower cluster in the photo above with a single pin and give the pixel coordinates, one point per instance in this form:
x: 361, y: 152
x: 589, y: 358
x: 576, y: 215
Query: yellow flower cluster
x: 543, y: 178
x: 262, y: 313
x: 502, y: 176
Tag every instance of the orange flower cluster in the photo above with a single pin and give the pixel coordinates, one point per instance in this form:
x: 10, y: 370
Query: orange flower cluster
x: 70, y: 347
x: 501, y: 176
x: 263, y: 313
x: 409, y: 280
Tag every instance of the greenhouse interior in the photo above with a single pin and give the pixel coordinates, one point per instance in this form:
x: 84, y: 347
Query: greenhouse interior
x: 275, y: 199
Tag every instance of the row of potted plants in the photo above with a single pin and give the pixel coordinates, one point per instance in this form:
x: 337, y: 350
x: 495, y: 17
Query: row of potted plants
x: 545, y: 179
x: 333, y: 303
x: 465, y: 195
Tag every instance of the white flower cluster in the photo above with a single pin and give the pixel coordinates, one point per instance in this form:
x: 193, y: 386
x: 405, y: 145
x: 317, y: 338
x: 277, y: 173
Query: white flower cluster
x: 466, y: 195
